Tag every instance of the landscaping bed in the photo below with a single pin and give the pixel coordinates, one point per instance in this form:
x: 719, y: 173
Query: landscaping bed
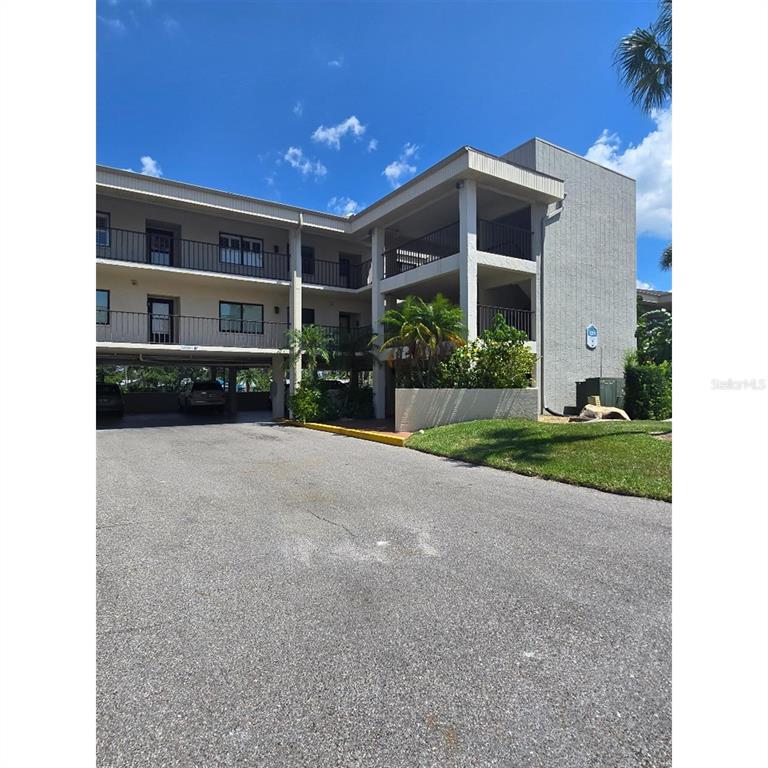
x: 616, y: 456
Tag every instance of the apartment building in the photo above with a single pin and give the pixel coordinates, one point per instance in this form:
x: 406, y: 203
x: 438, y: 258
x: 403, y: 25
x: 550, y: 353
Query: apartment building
x: 193, y: 276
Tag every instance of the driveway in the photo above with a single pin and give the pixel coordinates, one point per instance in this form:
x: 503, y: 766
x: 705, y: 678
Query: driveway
x: 271, y: 596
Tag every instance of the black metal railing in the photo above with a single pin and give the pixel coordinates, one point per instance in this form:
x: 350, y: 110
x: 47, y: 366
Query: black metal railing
x: 522, y: 319
x: 503, y: 240
x: 339, y: 337
x: 187, y: 330
x: 431, y: 247
x: 337, y: 274
x: 143, y: 248
x: 147, y: 248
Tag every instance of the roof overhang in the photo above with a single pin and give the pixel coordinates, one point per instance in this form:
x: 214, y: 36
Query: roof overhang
x: 432, y: 184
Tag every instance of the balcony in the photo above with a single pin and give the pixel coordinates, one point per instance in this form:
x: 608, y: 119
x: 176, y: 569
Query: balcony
x: 164, y: 251
x: 188, y: 331
x: 522, y: 319
x: 492, y: 237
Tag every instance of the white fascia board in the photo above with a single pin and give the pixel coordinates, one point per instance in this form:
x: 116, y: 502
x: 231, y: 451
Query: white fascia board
x: 191, y: 272
x: 116, y: 347
x: 509, y: 263
x: 189, y: 194
x: 547, y: 188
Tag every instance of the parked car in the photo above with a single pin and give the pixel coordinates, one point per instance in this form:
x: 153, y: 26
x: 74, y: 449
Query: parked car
x: 202, y: 394
x: 109, y: 399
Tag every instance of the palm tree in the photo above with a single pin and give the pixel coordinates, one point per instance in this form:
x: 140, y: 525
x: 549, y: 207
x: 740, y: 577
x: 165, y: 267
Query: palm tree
x: 427, y: 330
x: 666, y: 257
x: 644, y: 61
x: 253, y: 378
x: 312, y: 341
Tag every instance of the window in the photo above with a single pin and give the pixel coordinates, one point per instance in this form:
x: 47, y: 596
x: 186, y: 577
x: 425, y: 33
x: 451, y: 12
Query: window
x: 307, y: 316
x: 241, y: 318
x: 102, y: 229
x: 236, y: 249
x: 307, y: 260
x: 102, y: 307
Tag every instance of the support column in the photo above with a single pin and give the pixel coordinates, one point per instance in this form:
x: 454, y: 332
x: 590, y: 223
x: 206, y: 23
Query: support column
x: 377, y: 310
x: 294, y: 301
x: 538, y: 218
x: 212, y: 372
x: 232, y: 387
x: 468, y: 254
x: 277, y: 390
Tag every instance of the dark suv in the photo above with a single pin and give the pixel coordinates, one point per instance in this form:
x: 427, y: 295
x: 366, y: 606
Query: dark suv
x: 201, y: 394
x: 109, y: 399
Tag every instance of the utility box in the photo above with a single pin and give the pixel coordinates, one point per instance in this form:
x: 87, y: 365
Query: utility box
x: 610, y: 391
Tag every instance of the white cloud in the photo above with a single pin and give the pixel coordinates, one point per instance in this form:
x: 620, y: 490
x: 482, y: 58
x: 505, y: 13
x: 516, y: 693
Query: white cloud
x: 150, y: 167
x: 373, y: 145
x: 332, y: 136
x: 295, y: 158
x: 171, y: 25
x: 116, y: 25
x: 650, y: 163
x: 646, y: 286
x: 298, y: 109
x: 401, y: 169
x: 343, y: 206
x: 337, y: 62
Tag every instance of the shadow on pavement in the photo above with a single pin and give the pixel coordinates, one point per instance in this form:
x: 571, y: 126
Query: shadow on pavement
x: 173, y: 419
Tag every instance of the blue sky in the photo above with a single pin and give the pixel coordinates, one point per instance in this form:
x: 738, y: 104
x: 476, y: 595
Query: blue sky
x: 329, y: 105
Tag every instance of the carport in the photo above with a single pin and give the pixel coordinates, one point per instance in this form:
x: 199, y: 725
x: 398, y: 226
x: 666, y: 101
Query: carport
x: 226, y: 362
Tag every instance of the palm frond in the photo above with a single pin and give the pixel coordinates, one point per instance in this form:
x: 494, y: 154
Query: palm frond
x: 666, y: 257
x: 645, y: 68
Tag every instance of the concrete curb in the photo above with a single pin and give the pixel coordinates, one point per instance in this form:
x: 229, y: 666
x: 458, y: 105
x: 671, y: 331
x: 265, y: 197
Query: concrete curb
x: 360, y: 434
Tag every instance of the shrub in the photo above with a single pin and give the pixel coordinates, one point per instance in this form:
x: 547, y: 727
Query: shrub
x: 498, y: 360
x: 312, y: 402
x: 359, y: 403
x: 648, y: 390
x: 654, y: 337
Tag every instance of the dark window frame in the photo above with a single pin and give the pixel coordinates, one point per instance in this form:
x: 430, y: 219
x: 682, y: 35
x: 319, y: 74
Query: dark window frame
x: 107, y: 310
x: 107, y: 230
x: 241, y: 251
x: 242, y: 320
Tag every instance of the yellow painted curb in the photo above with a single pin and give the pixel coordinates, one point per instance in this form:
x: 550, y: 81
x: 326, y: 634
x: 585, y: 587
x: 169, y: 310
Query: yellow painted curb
x: 360, y: 434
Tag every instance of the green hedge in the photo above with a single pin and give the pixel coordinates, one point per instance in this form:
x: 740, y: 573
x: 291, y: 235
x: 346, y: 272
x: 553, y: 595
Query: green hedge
x: 648, y: 391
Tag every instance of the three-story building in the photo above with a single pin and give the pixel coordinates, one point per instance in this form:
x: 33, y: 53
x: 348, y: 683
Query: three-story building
x: 189, y: 275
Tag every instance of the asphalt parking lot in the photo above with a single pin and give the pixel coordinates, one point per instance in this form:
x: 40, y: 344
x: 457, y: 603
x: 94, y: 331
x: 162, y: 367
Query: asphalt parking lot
x: 271, y: 596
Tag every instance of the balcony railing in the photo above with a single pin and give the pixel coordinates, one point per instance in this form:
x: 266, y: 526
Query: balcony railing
x: 146, y: 248
x: 522, y: 319
x: 492, y: 237
x: 431, y: 247
x: 185, y: 330
x: 503, y: 240
x: 337, y: 274
x: 343, y: 338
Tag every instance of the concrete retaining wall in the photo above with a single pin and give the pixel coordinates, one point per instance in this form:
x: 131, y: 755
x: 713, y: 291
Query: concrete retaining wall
x: 423, y: 408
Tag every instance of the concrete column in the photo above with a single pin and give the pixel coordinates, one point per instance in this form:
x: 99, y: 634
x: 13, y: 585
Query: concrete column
x: 538, y: 215
x: 468, y: 254
x: 294, y: 300
x: 377, y: 310
x: 232, y: 387
x: 211, y: 372
x: 277, y: 391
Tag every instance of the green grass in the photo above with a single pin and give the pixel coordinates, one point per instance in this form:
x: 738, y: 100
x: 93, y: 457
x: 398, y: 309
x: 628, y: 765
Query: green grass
x: 616, y: 456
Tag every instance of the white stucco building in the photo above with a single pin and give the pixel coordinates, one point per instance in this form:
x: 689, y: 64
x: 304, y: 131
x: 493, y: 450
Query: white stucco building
x: 190, y: 275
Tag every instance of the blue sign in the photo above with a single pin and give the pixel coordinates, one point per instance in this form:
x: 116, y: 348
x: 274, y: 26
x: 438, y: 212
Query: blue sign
x: 592, y: 336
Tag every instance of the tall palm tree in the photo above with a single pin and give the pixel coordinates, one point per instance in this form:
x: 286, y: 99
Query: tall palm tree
x: 311, y: 341
x: 426, y: 330
x: 666, y: 257
x: 644, y: 61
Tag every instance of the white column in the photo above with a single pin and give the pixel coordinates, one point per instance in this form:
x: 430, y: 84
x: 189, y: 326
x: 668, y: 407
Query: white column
x: 232, y: 387
x: 277, y: 390
x: 538, y: 214
x: 468, y: 254
x: 377, y: 310
x: 294, y: 299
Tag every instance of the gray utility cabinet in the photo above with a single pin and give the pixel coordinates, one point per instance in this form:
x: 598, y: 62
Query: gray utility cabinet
x: 610, y: 390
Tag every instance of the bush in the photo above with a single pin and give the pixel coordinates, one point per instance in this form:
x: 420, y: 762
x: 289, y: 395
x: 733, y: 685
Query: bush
x: 359, y: 403
x: 498, y: 360
x: 648, y: 390
x: 312, y: 402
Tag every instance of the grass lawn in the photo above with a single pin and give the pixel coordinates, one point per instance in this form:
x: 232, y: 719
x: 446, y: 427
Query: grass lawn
x: 616, y: 456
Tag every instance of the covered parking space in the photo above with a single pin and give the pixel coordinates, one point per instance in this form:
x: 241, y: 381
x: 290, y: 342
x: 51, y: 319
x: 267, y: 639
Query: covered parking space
x: 221, y: 365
